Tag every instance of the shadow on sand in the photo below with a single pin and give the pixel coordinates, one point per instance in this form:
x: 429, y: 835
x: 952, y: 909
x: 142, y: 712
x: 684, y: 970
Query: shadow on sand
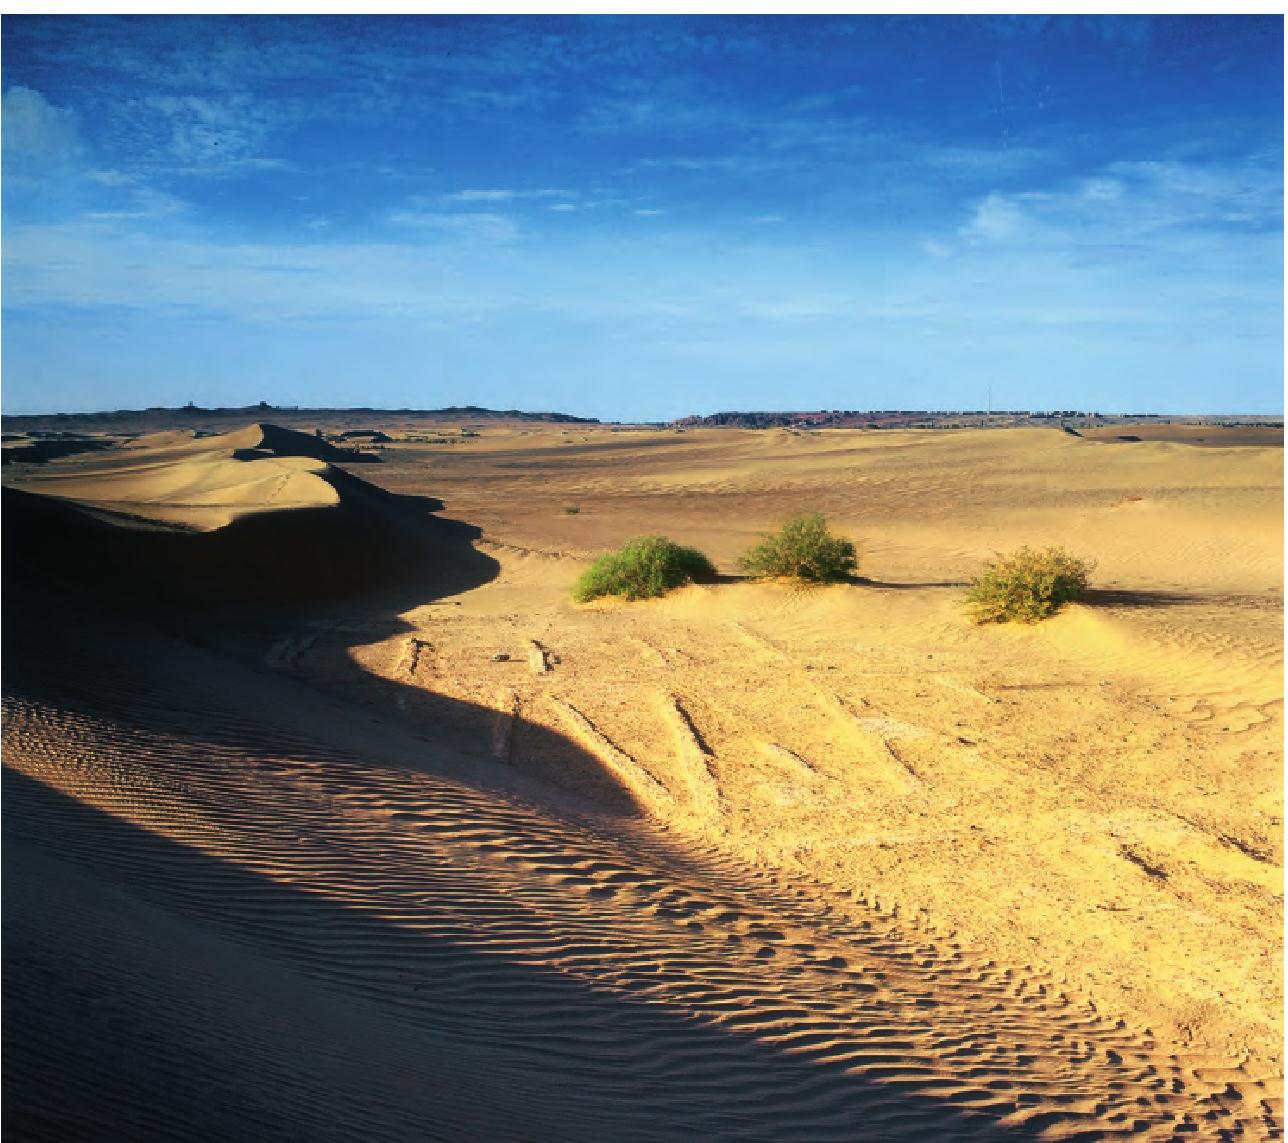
x: 371, y: 1028
x: 851, y: 581
x: 887, y: 585
x: 1122, y: 598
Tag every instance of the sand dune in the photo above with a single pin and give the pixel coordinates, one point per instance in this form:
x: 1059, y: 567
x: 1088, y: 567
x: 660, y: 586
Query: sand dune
x: 446, y: 856
x: 200, y: 483
x: 253, y: 515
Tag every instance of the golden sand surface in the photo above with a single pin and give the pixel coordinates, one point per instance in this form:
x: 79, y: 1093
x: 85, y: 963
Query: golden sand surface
x: 456, y: 857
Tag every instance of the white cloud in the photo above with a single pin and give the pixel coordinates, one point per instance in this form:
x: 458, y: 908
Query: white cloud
x: 797, y: 308
x: 1102, y: 190
x: 826, y: 100
x: 583, y: 204
x: 107, y: 262
x: 480, y: 196
x: 1132, y: 202
x: 997, y: 218
x: 501, y: 195
x: 211, y: 136
x: 38, y: 136
x: 649, y: 212
x: 47, y: 164
x: 981, y: 160
x: 141, y: 201
x: 767, y: 219
x: 485, y: 226
x: 111, y: 178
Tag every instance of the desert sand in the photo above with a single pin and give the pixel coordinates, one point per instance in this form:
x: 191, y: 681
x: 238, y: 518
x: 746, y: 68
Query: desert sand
x: 329, y: 815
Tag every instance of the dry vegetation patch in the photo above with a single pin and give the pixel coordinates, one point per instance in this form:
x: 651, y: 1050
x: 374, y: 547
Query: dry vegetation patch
x: 1027, y: 586
x: 802, y: 549
x: 642, y: 568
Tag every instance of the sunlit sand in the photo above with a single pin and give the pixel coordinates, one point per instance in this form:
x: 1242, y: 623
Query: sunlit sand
x: 328, y: 813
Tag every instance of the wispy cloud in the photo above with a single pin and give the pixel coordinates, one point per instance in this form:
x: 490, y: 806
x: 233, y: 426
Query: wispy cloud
x: 202, y: 135
x: 481, y: 196
x: 985, y: 161
x: 486, y: 226
x: 802, y: 307
x: 997, y: 218
x: 108, y: 263
x: 503, y: 195
x: 111, y: 178
x: 826, y: 100
x: 48, y: 168
x: 1132, y: 201
x: 38, y: 136
x: 740, y: 163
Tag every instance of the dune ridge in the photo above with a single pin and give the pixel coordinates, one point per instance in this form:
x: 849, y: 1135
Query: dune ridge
x: 200, y: 483
x: 256, y: 515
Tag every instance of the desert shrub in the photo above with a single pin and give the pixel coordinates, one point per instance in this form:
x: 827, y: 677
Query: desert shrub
x: 802, y: 549
x: 641, y: 568
x: 572, y: 509
x: 1027, y: 585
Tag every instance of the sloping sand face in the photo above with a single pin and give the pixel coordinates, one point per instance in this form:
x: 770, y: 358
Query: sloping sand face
x: 197, y: 483
x: 461, y: 859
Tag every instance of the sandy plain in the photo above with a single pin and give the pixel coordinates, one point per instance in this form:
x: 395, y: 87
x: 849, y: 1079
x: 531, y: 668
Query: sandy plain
x: 328, y: 813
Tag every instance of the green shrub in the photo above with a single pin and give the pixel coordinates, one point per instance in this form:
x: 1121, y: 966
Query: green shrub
x: 1027, y: 585
x: 802, y: 549
x: 572, y: 509
x: 641, y: 568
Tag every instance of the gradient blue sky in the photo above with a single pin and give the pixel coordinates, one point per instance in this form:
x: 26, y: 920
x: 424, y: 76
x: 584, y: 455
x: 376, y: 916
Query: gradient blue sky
x: 639, y: 218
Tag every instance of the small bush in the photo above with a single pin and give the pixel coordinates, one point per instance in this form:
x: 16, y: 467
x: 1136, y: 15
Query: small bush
x: 802, y: 549
x: 571, y: 509
x: 641, y: 568
x: 1027, y: 586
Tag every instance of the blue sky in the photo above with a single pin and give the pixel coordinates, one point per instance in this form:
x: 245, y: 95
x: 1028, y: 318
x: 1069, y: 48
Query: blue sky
x: 643, y: 217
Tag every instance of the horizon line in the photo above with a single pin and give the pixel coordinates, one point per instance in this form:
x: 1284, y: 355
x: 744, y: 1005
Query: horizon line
x: 266, y: 407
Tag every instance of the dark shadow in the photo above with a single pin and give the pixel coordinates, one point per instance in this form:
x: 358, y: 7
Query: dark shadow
x: 370, y: 540
x: 279, y: 441
x: 376, y: 1029
x: 887, y: 585
x: 42, y: 451
x: 851, y: 580
x: 417, y: 503
x: 1119, y: 597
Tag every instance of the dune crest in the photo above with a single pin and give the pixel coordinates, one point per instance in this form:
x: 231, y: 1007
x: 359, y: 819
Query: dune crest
x: 198, y: 483
x: 254, y: 515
